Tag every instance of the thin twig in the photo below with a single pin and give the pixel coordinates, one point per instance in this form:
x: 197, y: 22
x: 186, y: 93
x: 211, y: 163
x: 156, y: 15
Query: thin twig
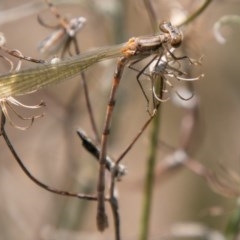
x: 87, y: 98
x: 149, y: 177
x: 35, y: 180
x: 16, y: 53
x: 113, y: 201
x: 135, y: 138
x: 118, y: 169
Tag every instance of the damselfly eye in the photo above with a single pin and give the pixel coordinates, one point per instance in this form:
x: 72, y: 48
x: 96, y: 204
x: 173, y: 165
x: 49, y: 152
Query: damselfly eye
x: 176, y: 42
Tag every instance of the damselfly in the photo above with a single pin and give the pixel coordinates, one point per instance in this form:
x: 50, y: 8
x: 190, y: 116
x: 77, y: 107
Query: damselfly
x: 136, y: 49
x: 33, y: 79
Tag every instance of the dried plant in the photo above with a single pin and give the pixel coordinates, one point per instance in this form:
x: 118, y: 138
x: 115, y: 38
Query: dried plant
x: 154, y: 58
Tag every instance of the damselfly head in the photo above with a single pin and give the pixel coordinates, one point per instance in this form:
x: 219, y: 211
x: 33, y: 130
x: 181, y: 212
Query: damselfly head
x: 176, y: 35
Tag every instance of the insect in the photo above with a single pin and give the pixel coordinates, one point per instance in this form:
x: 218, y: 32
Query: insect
x: 135, y: 50
x: 32, y: 79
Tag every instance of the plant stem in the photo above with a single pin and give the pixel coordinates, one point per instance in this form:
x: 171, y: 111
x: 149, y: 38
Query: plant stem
x: 196, y: 13
x: 149, y: 179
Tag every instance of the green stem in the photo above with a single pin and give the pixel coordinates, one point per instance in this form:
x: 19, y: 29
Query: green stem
x: 195, y: 14
x: 149, y: 179
x: 233, y: 224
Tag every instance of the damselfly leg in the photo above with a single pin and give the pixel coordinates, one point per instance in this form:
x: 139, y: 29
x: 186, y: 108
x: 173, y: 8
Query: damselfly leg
x: 163, y: 67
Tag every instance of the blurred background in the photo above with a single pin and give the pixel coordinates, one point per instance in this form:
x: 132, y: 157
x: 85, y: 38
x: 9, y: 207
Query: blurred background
x: 52, y: 151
